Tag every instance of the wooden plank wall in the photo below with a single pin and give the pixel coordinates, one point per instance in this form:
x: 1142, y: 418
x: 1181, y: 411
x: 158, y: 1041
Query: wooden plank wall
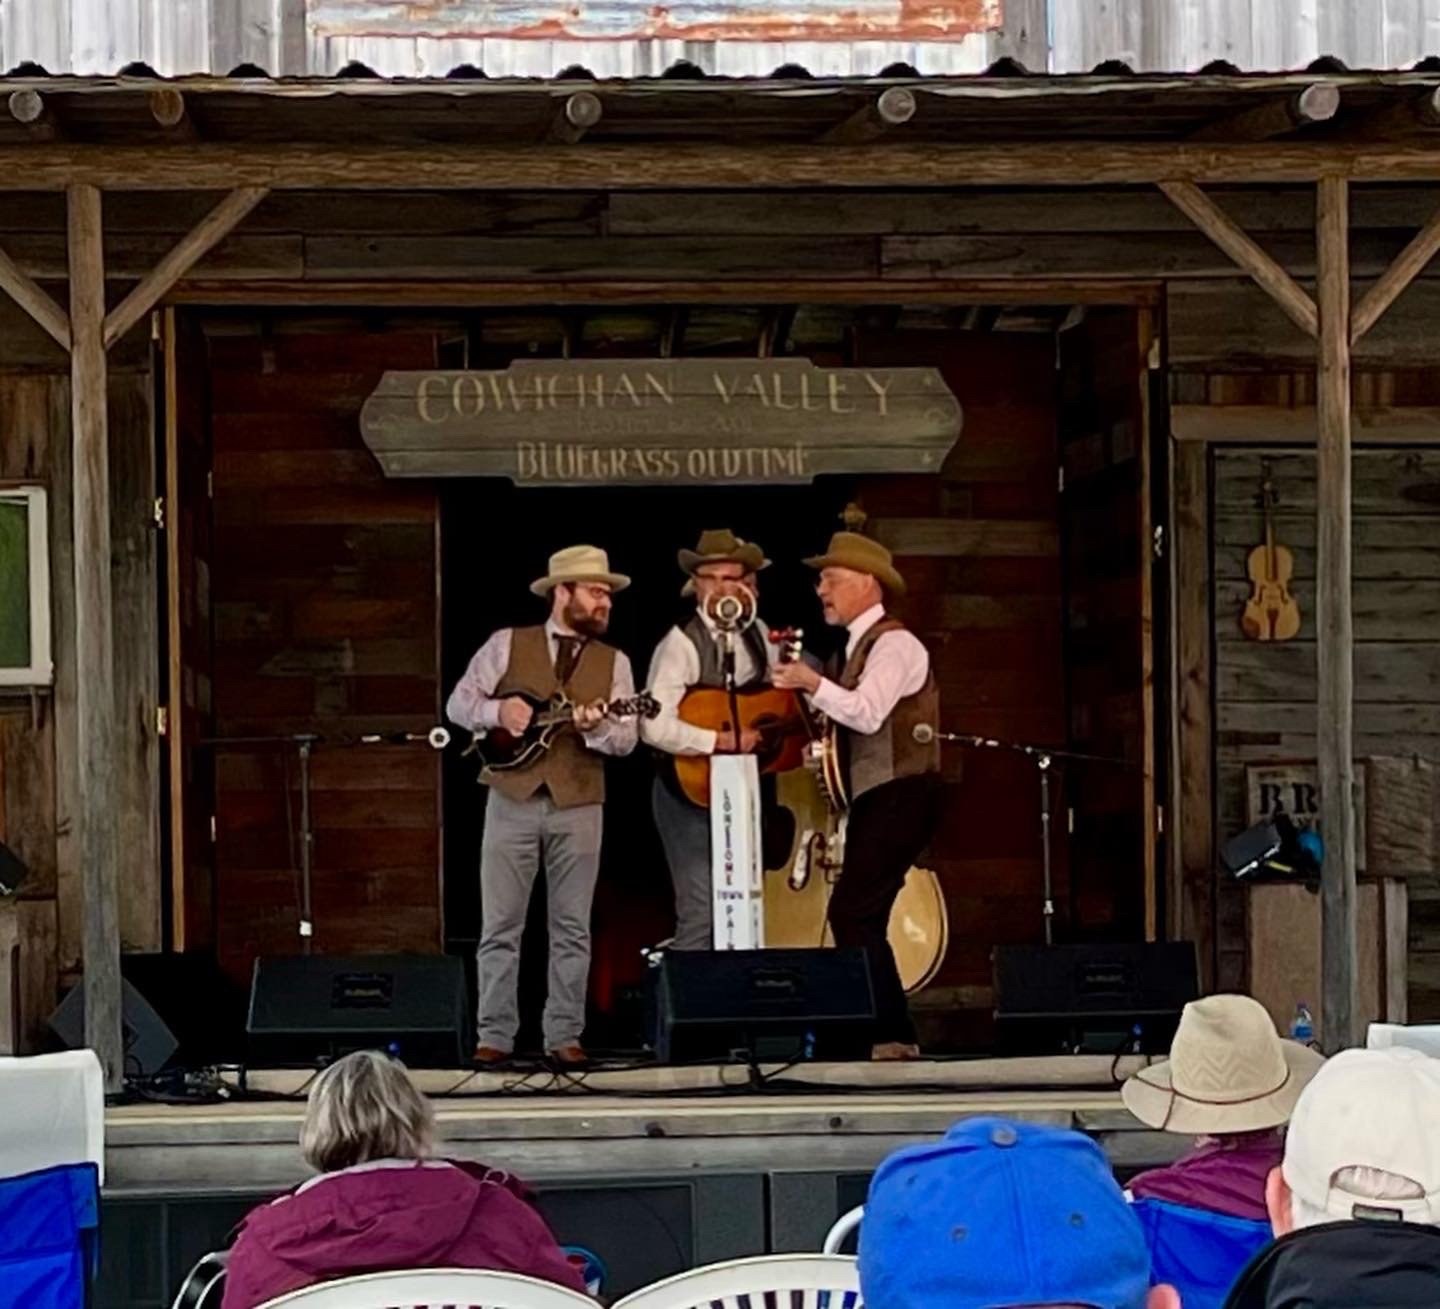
x: 980, y: 548
x: 38, y: 764
x: 1265, y: 695
x: 324, y: 601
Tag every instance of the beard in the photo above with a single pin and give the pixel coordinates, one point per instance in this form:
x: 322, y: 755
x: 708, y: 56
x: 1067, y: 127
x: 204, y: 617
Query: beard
x: 586, y: 622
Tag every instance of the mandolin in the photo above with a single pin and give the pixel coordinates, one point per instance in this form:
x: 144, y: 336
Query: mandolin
x: 502, y: 751
x: 1271, y: 613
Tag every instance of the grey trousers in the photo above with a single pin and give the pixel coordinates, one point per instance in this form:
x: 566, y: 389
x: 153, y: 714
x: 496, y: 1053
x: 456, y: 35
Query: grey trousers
x: 519, y: 836
x: 685, y: 834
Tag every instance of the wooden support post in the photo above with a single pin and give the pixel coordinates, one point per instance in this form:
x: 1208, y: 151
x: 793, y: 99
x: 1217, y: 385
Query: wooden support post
x: 891, y: 108
x: 1334, y: 628
x: 1408, y: 265
x: 1228, y: 235
x: 199, y: 241
x: 1317, y: 103
x: 94, y: 629
x: 34, y: 300
x: 575, y: 116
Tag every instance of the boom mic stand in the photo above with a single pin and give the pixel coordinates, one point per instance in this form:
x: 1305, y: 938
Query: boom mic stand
x: 1043, y: 757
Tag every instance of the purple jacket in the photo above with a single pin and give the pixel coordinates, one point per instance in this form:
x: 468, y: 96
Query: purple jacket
x: 1225, y: 1175
x: 389, y: 1215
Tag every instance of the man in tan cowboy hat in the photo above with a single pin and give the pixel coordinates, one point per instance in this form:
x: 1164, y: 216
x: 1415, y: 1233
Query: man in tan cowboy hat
x: 691, y: 655
x: 1232, y: 1081
x: 879, y: 694
x: 553, y: 805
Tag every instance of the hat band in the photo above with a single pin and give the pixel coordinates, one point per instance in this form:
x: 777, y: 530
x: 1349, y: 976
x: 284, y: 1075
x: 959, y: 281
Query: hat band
x: 1175, y: 1094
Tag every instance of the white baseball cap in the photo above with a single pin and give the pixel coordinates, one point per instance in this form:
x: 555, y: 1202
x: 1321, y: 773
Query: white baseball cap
x: 1368, y: 1109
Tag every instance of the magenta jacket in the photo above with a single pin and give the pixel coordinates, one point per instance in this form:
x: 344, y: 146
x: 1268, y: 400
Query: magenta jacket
x: 1225, y: 1175
x: 392, y: 1214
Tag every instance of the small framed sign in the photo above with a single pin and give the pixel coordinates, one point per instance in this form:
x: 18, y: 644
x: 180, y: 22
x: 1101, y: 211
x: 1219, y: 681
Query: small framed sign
x: 1293, y: 789
x: 24, y: 588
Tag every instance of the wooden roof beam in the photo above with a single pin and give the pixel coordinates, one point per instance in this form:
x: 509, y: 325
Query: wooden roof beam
x: 1403, y: 115
x: 168, y: 109
x: 34, y: 300
x: 893, y: 107
x: 1317, y: 103
x: 1201, y: 210
x: 1407, y: 266
x: 199, y: 241
x: 31, y: 110
x: 574, y: 116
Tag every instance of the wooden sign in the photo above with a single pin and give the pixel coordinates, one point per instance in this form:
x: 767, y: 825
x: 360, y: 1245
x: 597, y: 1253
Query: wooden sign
x: 661, y: 422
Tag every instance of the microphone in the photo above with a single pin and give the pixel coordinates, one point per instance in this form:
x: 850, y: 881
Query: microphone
x: 923, y: 733
x: 732, y: 613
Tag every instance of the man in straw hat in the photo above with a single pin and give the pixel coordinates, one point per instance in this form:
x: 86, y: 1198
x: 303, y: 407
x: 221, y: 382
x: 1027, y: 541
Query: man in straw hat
x: 690, y: 655
x: 553, y: 805
x: 882, y: 694
x: 1232, y: 1082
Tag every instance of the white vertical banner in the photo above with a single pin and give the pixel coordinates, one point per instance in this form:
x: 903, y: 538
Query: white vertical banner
x: 736, y: 871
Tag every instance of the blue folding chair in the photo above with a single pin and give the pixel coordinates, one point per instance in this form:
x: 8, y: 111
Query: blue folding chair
x: 49, y: 1237
x: 1197, y: 1252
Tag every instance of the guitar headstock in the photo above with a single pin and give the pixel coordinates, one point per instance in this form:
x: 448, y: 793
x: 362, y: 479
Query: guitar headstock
x: 640, y: 705
x: 791, y: 643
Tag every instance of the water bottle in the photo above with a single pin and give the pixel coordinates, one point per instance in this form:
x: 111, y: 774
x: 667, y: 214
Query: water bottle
x: 1302, y: 1026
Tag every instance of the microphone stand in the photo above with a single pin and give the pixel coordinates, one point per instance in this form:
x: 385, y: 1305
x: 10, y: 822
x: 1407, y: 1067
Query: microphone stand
x: 1044, y: 758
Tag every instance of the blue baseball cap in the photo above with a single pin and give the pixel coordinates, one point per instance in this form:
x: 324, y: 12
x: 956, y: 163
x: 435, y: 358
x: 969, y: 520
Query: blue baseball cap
x: 999, y: 1213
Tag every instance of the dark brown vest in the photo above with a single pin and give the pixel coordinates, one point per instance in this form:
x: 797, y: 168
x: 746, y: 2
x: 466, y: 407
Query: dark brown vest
x: 573, y: 774
x: 893, y: 751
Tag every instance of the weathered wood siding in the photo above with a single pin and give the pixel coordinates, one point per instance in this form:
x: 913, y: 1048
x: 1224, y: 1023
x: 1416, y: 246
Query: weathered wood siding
x: 324, y: 603
x: 1265, y: 694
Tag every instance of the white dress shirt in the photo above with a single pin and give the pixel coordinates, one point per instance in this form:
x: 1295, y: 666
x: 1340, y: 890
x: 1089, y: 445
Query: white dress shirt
x: 674, y: 669
x: 472, y: 704
x: 896, y: 667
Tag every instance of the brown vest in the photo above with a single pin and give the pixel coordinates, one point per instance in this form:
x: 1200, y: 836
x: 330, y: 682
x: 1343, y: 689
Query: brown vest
x: 893, y: 751
x: 573, y: 774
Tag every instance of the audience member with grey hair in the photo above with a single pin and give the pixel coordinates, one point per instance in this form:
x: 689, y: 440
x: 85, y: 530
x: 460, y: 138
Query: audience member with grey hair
x: 381, y: 1200
x: 1356, y: 1201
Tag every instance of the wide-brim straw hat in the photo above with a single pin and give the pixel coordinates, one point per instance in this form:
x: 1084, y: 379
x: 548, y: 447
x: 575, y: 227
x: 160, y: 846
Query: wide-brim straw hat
x: 579, y: 563
x: 1228, y: 1071
x: 720, y: 546
x: 864, y: 555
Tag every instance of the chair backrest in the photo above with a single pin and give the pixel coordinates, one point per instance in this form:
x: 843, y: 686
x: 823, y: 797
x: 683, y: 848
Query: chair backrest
x: 799, y: 1281
x: 54, y: 1112
x: 48, y: 1223
x: 1198, y: 1252
x: 847, y: 1222
x: 454, y: 1288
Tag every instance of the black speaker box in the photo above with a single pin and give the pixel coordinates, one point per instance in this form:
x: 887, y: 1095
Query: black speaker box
x: 1092, y: 998
x: 770, y: 1004
x: 310, y: 1008
x: 147, y: 1042
x: 13, y: 871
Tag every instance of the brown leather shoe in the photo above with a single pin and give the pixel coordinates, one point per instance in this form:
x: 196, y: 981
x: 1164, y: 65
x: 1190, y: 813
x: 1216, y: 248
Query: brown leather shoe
x: 570, y: 1056
x: 894, y: 1051
x: 489, y: 1056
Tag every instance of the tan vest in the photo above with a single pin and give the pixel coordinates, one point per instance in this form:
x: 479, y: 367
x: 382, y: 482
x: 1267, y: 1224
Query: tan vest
x: 573, y: 774
x: 893, y: 751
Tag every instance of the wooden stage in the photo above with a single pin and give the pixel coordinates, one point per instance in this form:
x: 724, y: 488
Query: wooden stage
x: 643, y: 1122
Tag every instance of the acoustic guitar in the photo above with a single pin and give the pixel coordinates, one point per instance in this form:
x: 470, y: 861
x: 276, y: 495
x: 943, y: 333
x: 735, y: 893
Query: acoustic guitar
x: 1271, y: 613
x: 778, y: 716
x: 503, y: 751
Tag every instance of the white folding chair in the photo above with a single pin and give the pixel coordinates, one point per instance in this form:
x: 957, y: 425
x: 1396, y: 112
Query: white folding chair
x: 462, y: 1288
x: 798, y: 1281
x: 844, y: 1225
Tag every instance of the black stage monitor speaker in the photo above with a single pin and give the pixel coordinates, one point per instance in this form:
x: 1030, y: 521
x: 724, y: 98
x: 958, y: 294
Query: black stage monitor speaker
x: 13, y: 871
x: 148, y: 1042
x: 316, y: 1007
x: 1092, y: 998
x: 771, y: 1004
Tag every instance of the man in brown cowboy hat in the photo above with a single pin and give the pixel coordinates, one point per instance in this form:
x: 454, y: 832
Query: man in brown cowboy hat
x: 553, y: 805
x: 691, y: 655
x: 879, y: 694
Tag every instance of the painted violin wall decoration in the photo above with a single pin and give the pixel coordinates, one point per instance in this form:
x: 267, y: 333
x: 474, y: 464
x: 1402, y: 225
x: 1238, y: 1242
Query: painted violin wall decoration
x: 1271, y: 613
